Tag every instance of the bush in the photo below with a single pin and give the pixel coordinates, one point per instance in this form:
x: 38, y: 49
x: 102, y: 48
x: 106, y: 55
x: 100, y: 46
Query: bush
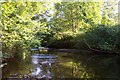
x: 104, y: 38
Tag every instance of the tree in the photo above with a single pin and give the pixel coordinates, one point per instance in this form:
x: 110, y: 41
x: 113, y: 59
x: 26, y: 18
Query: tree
x: 18, y: 29
x: 72, y: 15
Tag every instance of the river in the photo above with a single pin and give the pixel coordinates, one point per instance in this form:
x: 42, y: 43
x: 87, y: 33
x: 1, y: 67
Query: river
x: 70, y: 65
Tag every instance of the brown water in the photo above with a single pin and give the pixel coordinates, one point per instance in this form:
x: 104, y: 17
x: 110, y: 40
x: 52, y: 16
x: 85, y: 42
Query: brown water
x: 71, y: 65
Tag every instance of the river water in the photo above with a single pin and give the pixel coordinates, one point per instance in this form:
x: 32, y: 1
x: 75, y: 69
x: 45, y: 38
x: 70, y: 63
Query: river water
x: 70, y: 65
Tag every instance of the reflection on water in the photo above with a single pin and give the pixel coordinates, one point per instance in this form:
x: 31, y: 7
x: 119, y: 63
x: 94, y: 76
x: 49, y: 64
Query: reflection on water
x: 41, y: 60
x: 71, y: 65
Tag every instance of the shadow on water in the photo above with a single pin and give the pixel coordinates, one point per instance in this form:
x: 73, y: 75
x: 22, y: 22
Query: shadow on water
x: 90, y: 65
x: 17, y: 65
x: 71, y: 65
x: 100, y: 66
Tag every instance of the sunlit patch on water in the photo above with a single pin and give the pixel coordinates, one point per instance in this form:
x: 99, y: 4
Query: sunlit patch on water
x: 39, y: 60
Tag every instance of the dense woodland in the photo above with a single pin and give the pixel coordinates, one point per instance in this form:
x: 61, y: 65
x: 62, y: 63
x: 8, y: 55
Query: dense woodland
x: 63, y: 25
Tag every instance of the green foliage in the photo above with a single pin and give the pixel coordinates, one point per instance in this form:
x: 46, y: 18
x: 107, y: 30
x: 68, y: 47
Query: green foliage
x: 72, y: 16
x: 89, y: 21
x: 66, y: 40
x: 5, y: 55
x: 31, y: 24
x: 18, y: 28
x: 103, y: 38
